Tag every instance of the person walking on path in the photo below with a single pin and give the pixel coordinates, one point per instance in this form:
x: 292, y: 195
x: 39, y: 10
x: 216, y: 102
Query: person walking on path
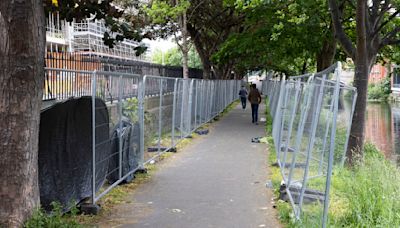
x: 255, y: 100
x: 243, y: 96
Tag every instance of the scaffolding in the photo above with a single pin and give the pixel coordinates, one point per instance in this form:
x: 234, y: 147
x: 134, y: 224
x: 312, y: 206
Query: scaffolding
x: 86, y: 37
x: 55, y: 28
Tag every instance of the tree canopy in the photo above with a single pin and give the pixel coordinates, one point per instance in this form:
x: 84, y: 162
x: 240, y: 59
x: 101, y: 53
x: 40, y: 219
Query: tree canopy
x: 173, y: 57
x: 285, y: 36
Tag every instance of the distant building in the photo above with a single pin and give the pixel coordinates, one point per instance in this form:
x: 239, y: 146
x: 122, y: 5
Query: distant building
x: 378, y: 73
x: 85, y: 37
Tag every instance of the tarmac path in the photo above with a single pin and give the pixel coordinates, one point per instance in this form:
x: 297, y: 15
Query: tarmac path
x: 218, y: 181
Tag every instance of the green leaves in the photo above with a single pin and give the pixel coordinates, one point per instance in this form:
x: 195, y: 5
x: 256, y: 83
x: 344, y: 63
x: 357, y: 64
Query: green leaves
x: 162, y: 11
x: 279, y: 35
x: 173, y: 57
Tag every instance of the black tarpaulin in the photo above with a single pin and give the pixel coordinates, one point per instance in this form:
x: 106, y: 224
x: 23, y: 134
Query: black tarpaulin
x: 130, y: 140
x: 65, y: 151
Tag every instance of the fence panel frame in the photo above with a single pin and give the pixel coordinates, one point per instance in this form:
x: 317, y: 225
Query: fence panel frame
x: 277, y: 93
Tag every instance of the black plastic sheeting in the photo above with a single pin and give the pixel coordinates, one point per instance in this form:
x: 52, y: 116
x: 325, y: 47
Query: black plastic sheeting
x: 130, y: 150
x: 65, y: 151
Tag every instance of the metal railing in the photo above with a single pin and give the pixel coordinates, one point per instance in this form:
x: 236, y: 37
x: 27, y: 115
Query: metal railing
x: 137, y: 118
x: 61, y: 85
x: 310, y: 132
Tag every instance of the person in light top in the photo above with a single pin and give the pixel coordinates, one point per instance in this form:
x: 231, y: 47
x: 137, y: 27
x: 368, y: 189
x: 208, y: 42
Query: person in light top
x: 243, y: 96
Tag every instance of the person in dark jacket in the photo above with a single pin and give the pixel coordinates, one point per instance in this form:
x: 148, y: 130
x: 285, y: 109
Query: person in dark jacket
x: 255, y: 100
x: 243, y: 96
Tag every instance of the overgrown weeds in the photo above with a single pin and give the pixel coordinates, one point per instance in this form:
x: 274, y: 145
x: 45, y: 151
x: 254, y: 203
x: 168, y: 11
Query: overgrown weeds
x: 55, y: 219
x: 362, y: 196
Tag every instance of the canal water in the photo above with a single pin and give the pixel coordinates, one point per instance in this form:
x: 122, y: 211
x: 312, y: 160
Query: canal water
x: 382, y: 128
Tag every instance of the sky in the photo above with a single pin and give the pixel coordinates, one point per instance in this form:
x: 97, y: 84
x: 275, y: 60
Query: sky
x: 161, y: 44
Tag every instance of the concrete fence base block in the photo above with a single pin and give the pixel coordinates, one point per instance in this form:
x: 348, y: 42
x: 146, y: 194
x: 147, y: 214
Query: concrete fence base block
x: 202, y: 132
x: 288, y: 165
x: 155, y: 149
x: 89, y: 208
x: 141, y: 170
x: 172, y: 150
x: 256, y: 140
x: 310, y: 195
x: 289, y: 149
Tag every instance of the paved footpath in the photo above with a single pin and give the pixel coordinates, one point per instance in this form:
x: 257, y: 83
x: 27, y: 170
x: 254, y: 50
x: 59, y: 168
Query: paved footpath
x: 218, y: 181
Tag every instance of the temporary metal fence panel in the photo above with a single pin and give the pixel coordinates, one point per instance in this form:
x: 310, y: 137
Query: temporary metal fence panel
x: 310, y: 133
x: 146, y: 116
x: 121, y: 94
x: 159, y: 116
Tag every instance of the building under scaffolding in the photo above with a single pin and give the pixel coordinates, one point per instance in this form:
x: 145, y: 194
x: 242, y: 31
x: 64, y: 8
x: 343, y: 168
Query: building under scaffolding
x: 78, y: 46
x: 86, y: 37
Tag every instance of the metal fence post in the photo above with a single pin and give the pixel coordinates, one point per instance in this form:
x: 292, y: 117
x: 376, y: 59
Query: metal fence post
x: 277, y: 116
x: 174, y: 113
x: 160, y: 115
x: 202, y: 108
x: 282, y: 111
x: 332, y: 146
x: 353, y: 107
x: 120, y: 126
x: 190, y: 107
x: 94, y: 86
x: 182, y: 105
x: 195, y: 106
x: 141, y: 98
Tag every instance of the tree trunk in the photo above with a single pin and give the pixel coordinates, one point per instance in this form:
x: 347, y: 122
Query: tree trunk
x: 206, y: 70
x: 223, y: 72
x: 202, y: 53
x: 185, y: 47
x: 21, y: 81
x: 304, y: 69
x: 362, y: 63
x: 206, y: 66
x: 186, y: 86
x: 327, y: 54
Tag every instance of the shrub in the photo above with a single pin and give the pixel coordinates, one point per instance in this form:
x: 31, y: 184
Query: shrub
x: 55, y: 219
x: 379, y: 91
